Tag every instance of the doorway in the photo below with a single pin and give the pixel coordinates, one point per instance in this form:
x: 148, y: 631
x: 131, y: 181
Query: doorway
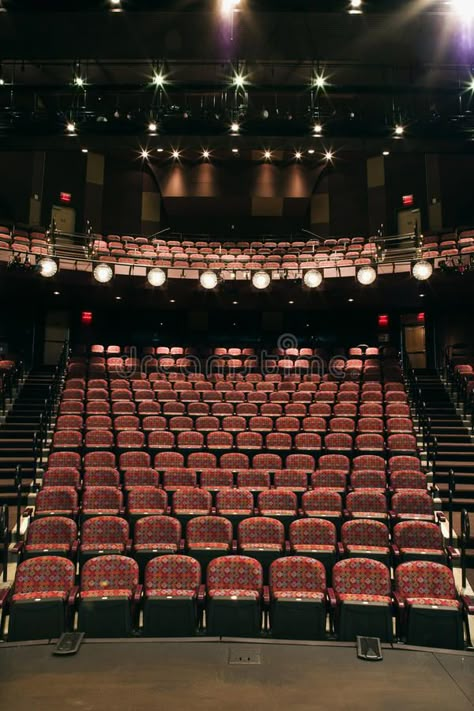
x: 408, y: 220
x: 415, y: 345
x: 65, y: 218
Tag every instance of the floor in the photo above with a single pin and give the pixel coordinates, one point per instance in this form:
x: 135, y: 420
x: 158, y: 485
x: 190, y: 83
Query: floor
x: 131, y: 675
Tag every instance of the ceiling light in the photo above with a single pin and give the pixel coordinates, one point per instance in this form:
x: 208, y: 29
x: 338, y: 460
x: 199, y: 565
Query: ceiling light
x: 311, y: 151
x: 84, y: 150
x: 205, y: 154
x: 366, y: 275
x: 350, y: 301
x: 399, y: 130
x: 158, y: 80
x: 464, y: 9
x: 152, y: 127
x: 70, y: 127
x: 227, y: 7
x: 298, y: 155
x: 47, y: 267
x: 208, y: 280
x: 291, y: 302
x: 235, y: 127
x: 235, y: 150
x: 329, y: 155
x: 235, y: 303
x: 267, y: 155
x: 239, y: 80
x: 118, y: 298
x: 144, y: 153
x: 318, y: 128
x: 319, y: 81
x: 175, y: 154
x: 79, y: 81
x: 313, y: 278
x: 386, y: 153
x: 261, y: 280
x: 156, y: 277
x: 469, y: 86
x: 103, y: 273
x: 422, y: 270
x: 159, y: 150
x: 56, y: 293
x: 355, y: 7
x: 172, y: 301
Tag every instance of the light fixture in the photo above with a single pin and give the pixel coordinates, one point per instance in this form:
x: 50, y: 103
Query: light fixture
x: 261, y: 280
x: 386, y: 153
x: 156, y: 277
x: 355, y: 7
x: 159, y: 150
x: 227, y: 7
x: 235, y: 127
x: 267, y: 155
x: 235, y: 150
x: 328, y: 156
x: 366, y: 275
x: 118, y: 298
x: 47, y: 267
x: 56, y: 293
x: 319, y: 81
x: 84, y: 150
x: 422, y: 270
x: 144, y: 153
x: 205, y: 154
x: 2, y: 81
x: 175, y: 154
x: 208, y: 280
x: 152, y: 126
x: 399, y: 130
x: 103, y: 273
x: 239, y: 80
x: 351, y: 301
x: 235, y: 303
x: 464, y: 9
x: 172, y: 301
x: 318, y: 129
x: 291, y: 302
x: 469, y: 86
x: 158, y: 80
x: 311, y: 151
x: 79, y: 81
x: 70, y: 127
x: 312, y: 278
x: 298, y: 155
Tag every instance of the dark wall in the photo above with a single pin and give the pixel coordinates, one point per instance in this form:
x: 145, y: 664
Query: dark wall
x: 64, y: 172
x: 122, y: 197
x: 348, y: 196
x: 405, y: 174
x: 15, y: 185
x: 457, y: 189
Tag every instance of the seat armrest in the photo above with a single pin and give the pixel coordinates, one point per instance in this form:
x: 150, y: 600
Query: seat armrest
x: 128, y: 546
x: 440, y: 516
x: 453, y: 553
x: 18, y: 547
x: 399, y: 600
x: 346, y: 513
x: 74, y: 548
x: 395, y: 550
x: 340, y: 549
x: 28, y: 512
x: 287, y: 547
x: 392, y: 515
x: 201, y: 595
x: 300, y: 513
x: 331, y: 598
x: 182, y: 544
x: 137, y: 594
x: 266, y: 597
x: 4, y: 593
x: 72, y: 597
x: 213, y: 511
x: 468, y: 603
x: 168, y: 510
x: 234, y: 546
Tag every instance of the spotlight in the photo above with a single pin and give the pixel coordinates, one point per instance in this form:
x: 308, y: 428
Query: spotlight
x: 239, y: 81
x: 2, y: 81
x: 144, y: 153
x: 208, y: 280
x: 366, y: 275
x: 328, y: 156
x: 261, y: 280
x: 79, y: 81
x: 386, y: 153
x: 70, y: 127
x: 47, y: 267
x: 267, y: 155
x: 84, y: 150
x: 399, y: 130
x: 205, y: 154
x: 464, y: 9
x: 158, y: 80
x: 298, y: 155
x: 156, y: 277
x: 318, y: 129
x: 103, y: 273
x: 355, y: 7
x: 235, y: 150
x: 152, y: 127
x: 235, y: 127
x: 469, y: 86
x: 175, y: 154
x: 229, y: 6
x: 56, y: 293
x: 319, y: 81
x: 159, y: 150
x: 422, y: 270
x: 311, y: 151
x: 313, y: 278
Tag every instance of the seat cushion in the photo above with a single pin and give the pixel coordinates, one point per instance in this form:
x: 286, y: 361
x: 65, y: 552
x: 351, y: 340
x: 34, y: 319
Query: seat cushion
x: 369, y: 549
x: 170, y: 593
x: 105, y: 593
x: 362, y: 599
x: 422, y: 551
x: 102, y: 547
x: 299, y: 595
x: 43, y: 595
x: 211, y: 545
x: 262, y: 547
x: 433, y: 602
x: 316, y: 547
x: 233, y: 594
x: 47, y: 547
x: 157, y: 546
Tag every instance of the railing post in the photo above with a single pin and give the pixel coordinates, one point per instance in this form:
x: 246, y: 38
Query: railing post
x: 5, y: 539
x: 465, y: 536
x: 18, y: 485
x: 451, y: 492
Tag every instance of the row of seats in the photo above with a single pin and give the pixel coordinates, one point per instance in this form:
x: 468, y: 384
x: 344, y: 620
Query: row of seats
x: 235, y: 601
x: 232, y: 351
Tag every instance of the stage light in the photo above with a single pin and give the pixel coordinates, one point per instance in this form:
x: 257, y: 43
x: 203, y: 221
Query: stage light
x: 158, y: 80
x: 298, y: 155
x: 235, y: 127
x: 261, y: 280
x: 152, y: 127
x: 366, y: 275
x: 311, y: 151
x: 79, y: 81
x: 156, y: 277
x: 267, y: 155
x: 464, y: 9
x: 386, y: 153
x: 399, y: 130
x: 355, y: 7
x: 319, y: 81
x: 235, y: 151
x: 47, y: 267
x: 318, y: 129
x: 328, y: 156
x: 70, y: 127
x: 205, y: 154
x: 103, y: 273
x: 208, y: 280
x: 144, y: 153
x: 159, y: 150
x: 84, y: 150
x: 422, y: 270
x: 56, y: 293
x: 175, y: 154
x: 313, y: 278
x: 227, y: 7
x: 2, y: 81
x: 239, y: 80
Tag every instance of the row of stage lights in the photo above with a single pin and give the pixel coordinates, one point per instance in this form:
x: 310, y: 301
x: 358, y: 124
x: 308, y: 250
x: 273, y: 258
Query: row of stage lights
x: 312, y: 278
x: 267, y: 155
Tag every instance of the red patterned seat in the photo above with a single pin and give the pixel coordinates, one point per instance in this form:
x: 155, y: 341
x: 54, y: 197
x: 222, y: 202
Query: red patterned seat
x: 337, y: 442
x: 332, y: 479
x: 108, y: 588
x: 100, y: 459
x: 67, y: 439
x: 69, y: 422
x: 418, y: 540
x: 298, y: 595
x: 50, y: 536
x: 430, y: 612
x: 146, y: 500
x: 366, y: 539
x: 64, y: 459
x: 261, y: 534
x: 408, y: 480
x: 140, y: 476
x: 314, y: 424
x: 269, y: 462
x: 362, y: 599
x: 322, y: 503
x: 366, y: 503
x: 215, y: 480
x: 234, y: 589
x: 278, y: 441
x: 369, y: 443
x: 234, y: 503
x: 99, y: 439
x: 161, y: 440
x: 103, y: 535
x: 102, y: 501
x: 279, y: 503
x: 249, y: 441
x: 368, y: 462
x: 409, y: 504
x: 56, y: 501
x: 62, y: 476
x: 254, y: 480
x: 168, y: 460
x: 38, y: 603
x: 220, y: 441
x: 152, y: 423
x: 155, y: 535
x: 130, y: 460
x: 234, y: 461
x: 314, y: 537
x: 127, y: 439
x: 401, y: 443
x: 292, y: 479
x: 260, y: 424
x: 101, y: 476
x: 368, y: 479
x: 190, y: 441
x: 189, y: 502
x: 399, y: 424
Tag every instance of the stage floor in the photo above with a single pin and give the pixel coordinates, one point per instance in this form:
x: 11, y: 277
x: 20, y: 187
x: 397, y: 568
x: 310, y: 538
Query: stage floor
x: 130, y: 675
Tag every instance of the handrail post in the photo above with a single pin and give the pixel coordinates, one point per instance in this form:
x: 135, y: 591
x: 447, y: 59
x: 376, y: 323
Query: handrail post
x: 465, y: 536
x: 5, y: 540
x: 18, y: 485
x: 451, y: 492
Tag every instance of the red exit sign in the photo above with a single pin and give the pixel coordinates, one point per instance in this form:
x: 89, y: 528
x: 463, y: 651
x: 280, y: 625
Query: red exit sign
x: 408, y: 200
x: 86, y: 318
x: 65, y: 197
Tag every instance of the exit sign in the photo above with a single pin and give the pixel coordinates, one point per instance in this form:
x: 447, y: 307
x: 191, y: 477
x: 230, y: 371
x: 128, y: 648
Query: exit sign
x: 408, y: 200
x: 65, y: 197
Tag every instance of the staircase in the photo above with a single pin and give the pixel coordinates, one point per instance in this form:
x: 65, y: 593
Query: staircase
x: 18, y: 431
x: 455, y: 446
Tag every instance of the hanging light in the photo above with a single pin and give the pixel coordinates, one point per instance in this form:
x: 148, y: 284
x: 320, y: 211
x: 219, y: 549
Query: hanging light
x: 156, y: 277
x: 313, y: 278
x: 103, y: 273
x: 366, y: 275
x: 208, y: 280
x: 422, y: 270
x: 47, y: 267
x: 261, y: 280
x: 71, y: 127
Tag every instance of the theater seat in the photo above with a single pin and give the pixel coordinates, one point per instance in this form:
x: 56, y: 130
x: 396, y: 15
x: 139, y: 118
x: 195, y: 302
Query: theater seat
x: 234, y: 596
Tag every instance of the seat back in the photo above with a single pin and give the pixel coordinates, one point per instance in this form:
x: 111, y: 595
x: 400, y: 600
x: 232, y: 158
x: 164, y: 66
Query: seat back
x: 173, y: 572
x: 43, y: 574
x: 422, y: 578
x: 110, y: 572
x: 361, y: 576
x: 297, y: 573
x: 236, y: 572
